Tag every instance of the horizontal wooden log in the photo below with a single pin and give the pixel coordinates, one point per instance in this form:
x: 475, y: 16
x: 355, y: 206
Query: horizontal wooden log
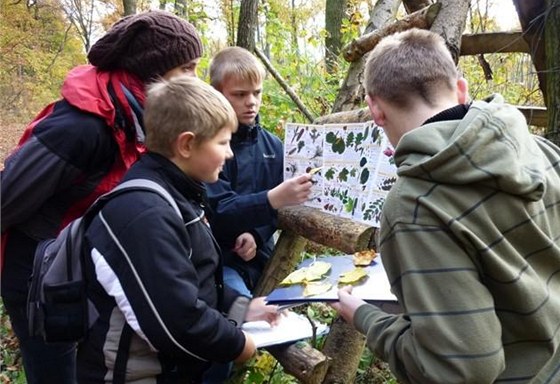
x: 537, y: 116
x: 421, y: 19
x: 494, y: 42
x: 353, y: 116
x: 332, y: 231
x: 302, y: 361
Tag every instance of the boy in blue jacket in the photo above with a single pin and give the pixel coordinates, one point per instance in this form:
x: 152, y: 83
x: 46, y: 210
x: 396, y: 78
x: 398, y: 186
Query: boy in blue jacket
x: 159, y: 274
x: 250, y: 188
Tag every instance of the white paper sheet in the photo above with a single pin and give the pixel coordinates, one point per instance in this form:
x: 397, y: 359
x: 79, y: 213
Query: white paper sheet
x: 291, y: 327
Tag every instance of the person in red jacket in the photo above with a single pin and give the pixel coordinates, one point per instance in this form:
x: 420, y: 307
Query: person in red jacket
x: 76, y: 149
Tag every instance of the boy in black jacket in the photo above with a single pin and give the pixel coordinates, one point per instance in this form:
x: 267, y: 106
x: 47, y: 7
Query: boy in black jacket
x: 156, y: 273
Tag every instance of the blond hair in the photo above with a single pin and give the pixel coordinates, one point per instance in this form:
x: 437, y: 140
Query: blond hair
x: 409, y: 65
x: 184, y: 104
x: 235, y: 62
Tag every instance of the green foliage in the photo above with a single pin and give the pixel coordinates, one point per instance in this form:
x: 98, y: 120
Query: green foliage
x: 37, y: 48
x: 10, y: 358
x: 513, y: 76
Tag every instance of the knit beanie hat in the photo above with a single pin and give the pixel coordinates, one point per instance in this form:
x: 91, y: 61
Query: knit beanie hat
x: 147, y: 44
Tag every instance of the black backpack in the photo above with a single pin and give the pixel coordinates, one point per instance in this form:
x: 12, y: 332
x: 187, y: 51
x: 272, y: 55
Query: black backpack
x: 58, y: 308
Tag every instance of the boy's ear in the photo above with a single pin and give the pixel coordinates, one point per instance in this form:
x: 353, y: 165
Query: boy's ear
x: 184, y: 144
x: 462, y: 90
x: 376, y: 111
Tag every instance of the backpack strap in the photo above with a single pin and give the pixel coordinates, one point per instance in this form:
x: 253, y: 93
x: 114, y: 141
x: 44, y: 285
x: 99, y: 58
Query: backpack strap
x: 149, y: 185
x: 119, y: 372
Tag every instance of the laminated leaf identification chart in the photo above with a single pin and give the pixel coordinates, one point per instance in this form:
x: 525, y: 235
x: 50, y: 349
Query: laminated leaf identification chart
x: 352, y: 166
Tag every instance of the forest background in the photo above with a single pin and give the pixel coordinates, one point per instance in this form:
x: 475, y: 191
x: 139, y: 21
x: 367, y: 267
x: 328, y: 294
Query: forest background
x: 40, y: 40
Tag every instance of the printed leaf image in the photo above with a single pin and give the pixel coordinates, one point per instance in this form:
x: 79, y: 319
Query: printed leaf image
x: 350, y: 205
x: 316, y: 288
x: 373, y: 211
x: 338, y: 146
x: 353, y: 276
x: 375, y: 134
x: 387, y: 184
x: 364, y: 176
x: 357, y: 169
x: 343, y: 175
x: 350, y: 139
x: 314, y: 134
x: 329, y: 175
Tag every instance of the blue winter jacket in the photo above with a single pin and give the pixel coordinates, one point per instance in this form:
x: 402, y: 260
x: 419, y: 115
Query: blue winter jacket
x: 239, y: 198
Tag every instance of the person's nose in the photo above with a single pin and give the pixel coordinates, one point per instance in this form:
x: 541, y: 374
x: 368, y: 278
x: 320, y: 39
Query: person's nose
x: 229, y: 152
x: 251, y: 100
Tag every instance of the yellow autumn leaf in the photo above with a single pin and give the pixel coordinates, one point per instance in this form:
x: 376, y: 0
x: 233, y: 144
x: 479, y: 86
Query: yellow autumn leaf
x: 316, y: 287
x: 296, y: 277
x: 315, y: 271
x: 353, y: 276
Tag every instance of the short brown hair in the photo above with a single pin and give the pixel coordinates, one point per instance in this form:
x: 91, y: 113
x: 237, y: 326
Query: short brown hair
x: 184, y: 104
x: 237, y: 62
x: 412, y: 64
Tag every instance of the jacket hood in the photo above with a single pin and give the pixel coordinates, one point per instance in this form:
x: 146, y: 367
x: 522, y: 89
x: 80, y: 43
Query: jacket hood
x: 86, y: 89
x: 491, y: 146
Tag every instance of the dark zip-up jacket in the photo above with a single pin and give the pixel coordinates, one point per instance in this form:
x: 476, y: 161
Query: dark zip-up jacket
x: 73, y: 152
x: 239, y: 198
x: 163, y: 275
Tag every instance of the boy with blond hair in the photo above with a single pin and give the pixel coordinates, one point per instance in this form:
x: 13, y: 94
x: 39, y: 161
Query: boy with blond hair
x: 469, y: 234
x: 250, y: 188
x: 156, y: 276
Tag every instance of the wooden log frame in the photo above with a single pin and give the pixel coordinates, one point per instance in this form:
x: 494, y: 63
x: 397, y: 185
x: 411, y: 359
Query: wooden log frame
x: 419, y: 19
x: 300, y: 224
x: 493, y: 42
x: 536, y: 116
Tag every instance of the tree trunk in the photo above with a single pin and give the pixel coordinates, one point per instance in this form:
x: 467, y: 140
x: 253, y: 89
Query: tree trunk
x: 247, y: 24
x: 344, y: 344
x: 351, y: 93
x: 552, y: 37
x: 420, y: 19
x: 181, y: 8
x: 531, y: 15
x: 412, y: 6
x: 450, y: 24
x: 129, y: 7
x: 334, y: 14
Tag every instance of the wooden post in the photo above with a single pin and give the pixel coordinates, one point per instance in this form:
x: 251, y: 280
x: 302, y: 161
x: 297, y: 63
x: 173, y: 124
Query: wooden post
x: 300, y: 224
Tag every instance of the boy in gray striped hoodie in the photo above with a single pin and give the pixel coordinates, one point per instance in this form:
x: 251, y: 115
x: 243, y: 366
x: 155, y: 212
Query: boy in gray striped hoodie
x: 470, y: 233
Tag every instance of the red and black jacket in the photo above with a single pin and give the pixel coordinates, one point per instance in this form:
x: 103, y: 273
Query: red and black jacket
x: 76, y: 149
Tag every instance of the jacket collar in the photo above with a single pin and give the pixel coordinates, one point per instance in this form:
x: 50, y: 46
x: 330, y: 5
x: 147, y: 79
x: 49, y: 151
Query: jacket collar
x: 192, y: 189
x: 246, y: 132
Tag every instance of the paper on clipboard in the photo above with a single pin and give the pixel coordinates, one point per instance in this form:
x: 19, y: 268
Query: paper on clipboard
x: 376, y: 288
x: 292, y: 327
